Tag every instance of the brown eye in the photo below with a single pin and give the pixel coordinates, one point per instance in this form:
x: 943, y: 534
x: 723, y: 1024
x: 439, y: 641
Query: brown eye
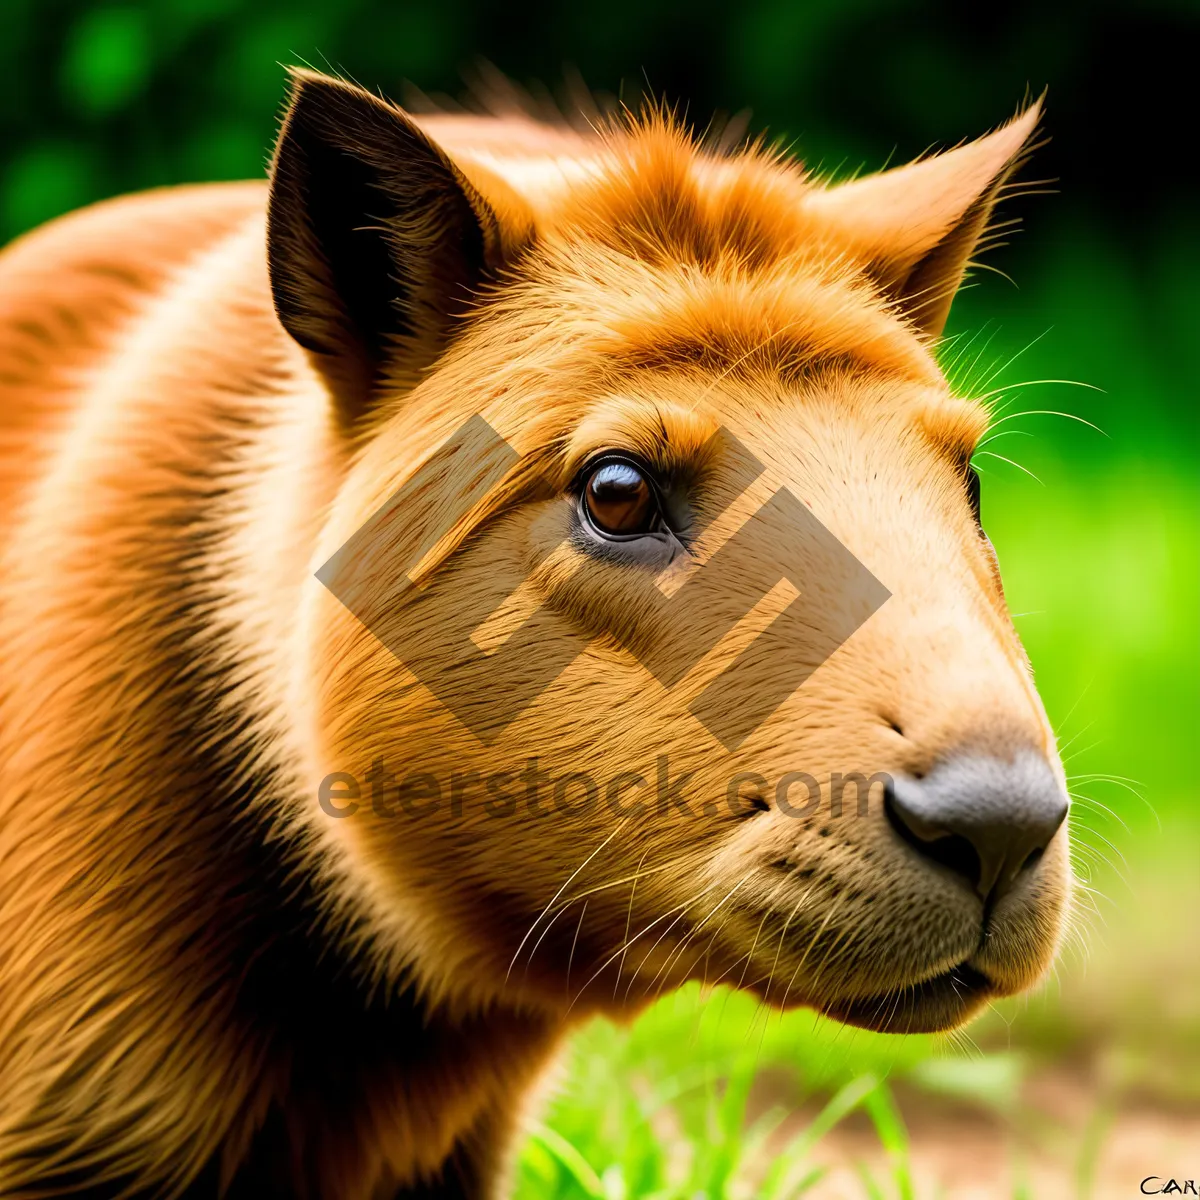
x: 619, y: 500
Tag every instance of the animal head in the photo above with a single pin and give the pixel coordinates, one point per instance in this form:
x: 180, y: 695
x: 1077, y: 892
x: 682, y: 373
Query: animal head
x: 661, y: 639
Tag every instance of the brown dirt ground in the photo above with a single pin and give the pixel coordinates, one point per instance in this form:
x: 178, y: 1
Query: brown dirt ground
x: 962, y: 1152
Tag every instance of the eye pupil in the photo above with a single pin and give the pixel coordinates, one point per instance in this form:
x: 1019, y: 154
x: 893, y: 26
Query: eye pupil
x: 619, y: 499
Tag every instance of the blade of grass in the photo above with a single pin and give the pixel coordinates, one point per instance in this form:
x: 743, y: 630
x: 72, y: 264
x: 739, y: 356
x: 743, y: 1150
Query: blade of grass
x: 778, y: 1183
x: 731, y: 1119
x: 889, y: 1125
x: 873, y: 1190
x: 1089, y: 1149
x: 578, y: 1167
x: 809, y: 1181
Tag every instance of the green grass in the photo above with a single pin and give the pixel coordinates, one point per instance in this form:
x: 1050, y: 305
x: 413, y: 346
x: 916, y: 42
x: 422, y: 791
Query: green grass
x: 674, y: 1108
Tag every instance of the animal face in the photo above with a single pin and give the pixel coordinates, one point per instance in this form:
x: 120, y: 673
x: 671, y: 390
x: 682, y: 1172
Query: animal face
x: 775, y: 726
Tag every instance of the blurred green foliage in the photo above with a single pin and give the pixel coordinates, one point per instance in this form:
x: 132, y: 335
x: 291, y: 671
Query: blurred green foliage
x: 99, y: 97
x: 1100, y: 551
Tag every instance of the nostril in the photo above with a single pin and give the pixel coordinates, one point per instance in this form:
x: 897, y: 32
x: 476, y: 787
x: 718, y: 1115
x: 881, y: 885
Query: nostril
x: 951, y: 850
x: 956, y: 853
x: 988, y: 820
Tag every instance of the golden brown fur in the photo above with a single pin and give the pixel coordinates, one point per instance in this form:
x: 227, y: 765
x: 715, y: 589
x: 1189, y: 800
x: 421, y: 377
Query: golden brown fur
x: 206, y: 981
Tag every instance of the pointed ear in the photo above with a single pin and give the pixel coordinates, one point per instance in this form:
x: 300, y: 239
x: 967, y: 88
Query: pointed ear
x: 376, y: 241
x: 917, y: 226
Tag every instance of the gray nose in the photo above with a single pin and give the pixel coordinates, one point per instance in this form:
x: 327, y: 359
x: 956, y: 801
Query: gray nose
x: 982, y: 817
